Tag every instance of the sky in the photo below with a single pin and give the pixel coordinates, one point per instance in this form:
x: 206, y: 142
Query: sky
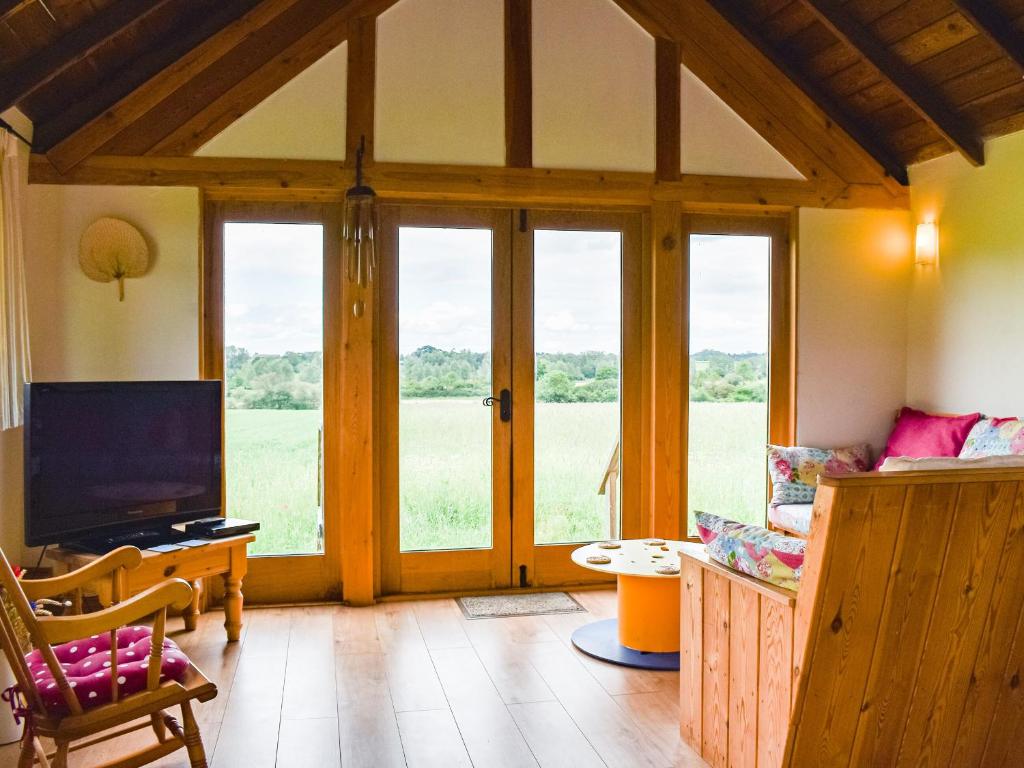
x: 273, y: 290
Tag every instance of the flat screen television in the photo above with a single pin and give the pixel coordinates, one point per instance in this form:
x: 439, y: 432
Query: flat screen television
x: 108, y: 458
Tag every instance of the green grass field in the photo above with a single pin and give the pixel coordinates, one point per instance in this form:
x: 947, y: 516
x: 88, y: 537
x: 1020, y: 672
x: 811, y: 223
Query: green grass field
x: 445, y: 481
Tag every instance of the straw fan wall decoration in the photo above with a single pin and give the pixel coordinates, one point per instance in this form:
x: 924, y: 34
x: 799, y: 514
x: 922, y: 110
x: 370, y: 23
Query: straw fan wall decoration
x: 112, y: 249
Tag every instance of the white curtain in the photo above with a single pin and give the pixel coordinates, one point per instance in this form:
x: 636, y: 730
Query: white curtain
x: 15, y: 368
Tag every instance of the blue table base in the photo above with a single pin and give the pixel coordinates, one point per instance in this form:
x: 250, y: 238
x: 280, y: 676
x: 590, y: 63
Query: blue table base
x: 601, y: 640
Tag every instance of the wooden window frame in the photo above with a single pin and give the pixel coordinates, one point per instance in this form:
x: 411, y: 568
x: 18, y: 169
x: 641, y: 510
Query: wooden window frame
x: 283, y: 578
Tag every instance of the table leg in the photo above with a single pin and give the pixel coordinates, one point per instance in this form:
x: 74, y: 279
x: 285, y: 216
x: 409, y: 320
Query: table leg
x: 191, y: 612
x: 649, y: 614
x: 233, y: 594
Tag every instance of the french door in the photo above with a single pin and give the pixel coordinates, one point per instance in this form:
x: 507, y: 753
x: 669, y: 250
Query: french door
x: 510, y: 382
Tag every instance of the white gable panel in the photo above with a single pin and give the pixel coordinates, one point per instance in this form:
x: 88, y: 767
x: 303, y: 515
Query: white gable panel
x: 441, y: 83
x: 593, y: 87
x: 719, y: 142
x: 302, y: 120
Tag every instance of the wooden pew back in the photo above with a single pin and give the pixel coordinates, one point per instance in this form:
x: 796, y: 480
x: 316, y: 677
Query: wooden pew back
x: 909, y: 625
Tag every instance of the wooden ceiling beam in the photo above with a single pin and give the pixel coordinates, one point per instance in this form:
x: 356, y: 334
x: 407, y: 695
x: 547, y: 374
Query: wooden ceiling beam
x: 920, y: 95
x: 518, y: 83
x: 997, y: 27
x: 735, y: 12
x: 668, y: 145
x: 9, y: 7
x: 410, y: 182
x: 45, y: 65
x: 87, y: 139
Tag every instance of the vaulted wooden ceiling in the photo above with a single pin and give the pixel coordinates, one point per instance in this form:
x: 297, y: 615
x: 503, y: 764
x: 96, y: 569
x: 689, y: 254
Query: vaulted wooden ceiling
x: 907, y: 80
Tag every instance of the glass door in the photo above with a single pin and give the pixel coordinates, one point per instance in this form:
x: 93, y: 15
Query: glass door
x: 270, y: 311
x: 446, y: 421
x: 576, y: 388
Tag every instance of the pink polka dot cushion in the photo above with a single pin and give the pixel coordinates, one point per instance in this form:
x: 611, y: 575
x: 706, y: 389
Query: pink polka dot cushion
x: 86, y: 665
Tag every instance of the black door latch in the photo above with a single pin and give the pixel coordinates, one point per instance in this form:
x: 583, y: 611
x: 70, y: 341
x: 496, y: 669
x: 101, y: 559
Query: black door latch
x: 504, y: 401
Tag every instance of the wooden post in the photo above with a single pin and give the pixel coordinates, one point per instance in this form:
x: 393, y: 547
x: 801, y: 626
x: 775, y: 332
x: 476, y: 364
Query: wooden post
x: 668, y: 91
x: 669, y: 372
x: 518, y: 84
x: 362, y: 68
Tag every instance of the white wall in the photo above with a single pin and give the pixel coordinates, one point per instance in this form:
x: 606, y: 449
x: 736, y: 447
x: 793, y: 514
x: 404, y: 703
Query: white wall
x: 854, y: 269
x: 966, y: 332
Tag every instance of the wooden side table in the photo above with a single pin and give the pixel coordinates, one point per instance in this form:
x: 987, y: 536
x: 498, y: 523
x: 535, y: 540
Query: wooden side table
x: 221, y: 557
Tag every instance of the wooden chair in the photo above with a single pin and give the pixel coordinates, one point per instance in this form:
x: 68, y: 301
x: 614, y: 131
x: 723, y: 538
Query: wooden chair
x: 81, y: 723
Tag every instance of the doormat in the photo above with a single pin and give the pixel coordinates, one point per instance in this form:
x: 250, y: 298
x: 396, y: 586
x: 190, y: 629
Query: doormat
x: 503, y: 606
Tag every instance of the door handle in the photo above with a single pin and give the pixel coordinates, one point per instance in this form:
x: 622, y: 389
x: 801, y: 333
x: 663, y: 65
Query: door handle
x: 504, y: 401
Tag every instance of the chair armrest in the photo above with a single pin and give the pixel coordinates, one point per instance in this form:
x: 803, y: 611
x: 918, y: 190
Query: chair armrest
x: 173, y: 593
x: 122, y: 557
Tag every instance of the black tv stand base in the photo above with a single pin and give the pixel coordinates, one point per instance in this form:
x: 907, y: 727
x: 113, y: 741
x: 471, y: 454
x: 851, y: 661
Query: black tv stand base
x: 149, y: 537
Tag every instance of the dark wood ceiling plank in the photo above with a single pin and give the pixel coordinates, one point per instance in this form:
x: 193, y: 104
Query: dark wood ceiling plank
x: 991, y: 23
x: 85, y: 140
x: 918, y: 93
x: 202, y: 19
x: 44, y: 66
x: 10, y: 7
x: 861, y: 132
x: 518, y: 84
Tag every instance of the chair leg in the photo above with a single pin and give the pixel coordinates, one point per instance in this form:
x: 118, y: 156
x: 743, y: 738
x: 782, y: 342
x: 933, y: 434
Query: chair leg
x: 28, y: 750
x: 193, y: 741
x: 60, y: 758
x: 159, y: 728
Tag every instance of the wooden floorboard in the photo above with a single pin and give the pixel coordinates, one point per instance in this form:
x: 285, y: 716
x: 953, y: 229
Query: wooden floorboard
x: 417, y: 684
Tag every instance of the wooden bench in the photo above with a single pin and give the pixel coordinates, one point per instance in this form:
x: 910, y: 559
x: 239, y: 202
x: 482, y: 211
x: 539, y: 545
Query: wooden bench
x: 905, y: 644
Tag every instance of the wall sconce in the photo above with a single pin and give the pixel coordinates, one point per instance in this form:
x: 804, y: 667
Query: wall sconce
x: 359, y: 232
x: 927, y: 244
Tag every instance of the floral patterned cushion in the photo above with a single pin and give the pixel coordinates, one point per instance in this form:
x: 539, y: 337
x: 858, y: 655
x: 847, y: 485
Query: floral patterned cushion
x: 794, y: 471
x: 994, y: 437
x: 795, y: 518
x: 753, y: 550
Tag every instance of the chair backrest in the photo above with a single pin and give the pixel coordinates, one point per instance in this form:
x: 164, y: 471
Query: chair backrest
x: 912, y: 615
x: 17, y: 608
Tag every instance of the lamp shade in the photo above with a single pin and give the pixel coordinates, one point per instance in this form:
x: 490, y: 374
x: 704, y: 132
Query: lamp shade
x: 927, y: 243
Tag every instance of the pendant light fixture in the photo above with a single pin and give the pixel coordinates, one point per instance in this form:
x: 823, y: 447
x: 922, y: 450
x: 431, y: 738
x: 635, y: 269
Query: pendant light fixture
x: 359, y: 232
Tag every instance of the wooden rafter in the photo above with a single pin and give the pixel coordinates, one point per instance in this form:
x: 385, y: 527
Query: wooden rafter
x: 44, y: 66
x: 861, y: 133
x: 668, y: 93
x: 995, y: 26
x: 209, y: 117
x: 360, y: 94
x: 8, y: 7
x: 202, y: 22
x: 917, y: 93
x: 94, y: 134
x: 760, y: 93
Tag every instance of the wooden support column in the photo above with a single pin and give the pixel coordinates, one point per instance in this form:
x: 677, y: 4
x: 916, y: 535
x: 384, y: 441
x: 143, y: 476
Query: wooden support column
x: 669, y: 373
x: 359, y: 404
x: 518, y: 84
x: 362, y: 69
x: 668, y: 90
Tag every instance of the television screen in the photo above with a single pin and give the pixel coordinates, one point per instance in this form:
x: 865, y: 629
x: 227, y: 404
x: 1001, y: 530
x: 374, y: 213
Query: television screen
x: 108, y: 458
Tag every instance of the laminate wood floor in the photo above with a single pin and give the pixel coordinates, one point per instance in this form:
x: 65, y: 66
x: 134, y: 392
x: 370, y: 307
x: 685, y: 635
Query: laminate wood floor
x: 416, y: 684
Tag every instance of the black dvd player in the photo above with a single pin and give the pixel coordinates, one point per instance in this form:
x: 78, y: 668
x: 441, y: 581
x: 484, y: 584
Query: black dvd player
x: 220, y: 527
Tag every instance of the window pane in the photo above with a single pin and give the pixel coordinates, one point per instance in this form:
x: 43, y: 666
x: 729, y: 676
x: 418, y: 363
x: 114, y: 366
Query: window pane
x: 729, y: 336
x: 273, y: 371
x: 577, y: 341
x: 444, y: 344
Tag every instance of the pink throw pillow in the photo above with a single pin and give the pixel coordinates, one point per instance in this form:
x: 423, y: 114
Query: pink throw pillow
x: 918, y: 434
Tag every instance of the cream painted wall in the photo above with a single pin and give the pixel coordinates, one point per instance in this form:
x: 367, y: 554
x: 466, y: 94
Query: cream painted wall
x: 302, y: 120
x: 441, y: 82
x: 593, y: 87
x: 717, y: 141
x: 966, y: 331
x: 854, y: 270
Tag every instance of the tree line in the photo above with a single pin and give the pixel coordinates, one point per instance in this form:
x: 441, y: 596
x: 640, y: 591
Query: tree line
x: 294, y: 380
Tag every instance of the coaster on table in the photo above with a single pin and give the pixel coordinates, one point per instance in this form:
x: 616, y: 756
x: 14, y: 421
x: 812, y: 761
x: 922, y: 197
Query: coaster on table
x: 599, y: 559
x: 667, y: 570
x: 655, y: 542
x: 610, y: 545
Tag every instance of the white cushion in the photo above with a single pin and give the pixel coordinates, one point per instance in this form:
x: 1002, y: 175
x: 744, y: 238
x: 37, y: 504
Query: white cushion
x: 792, y: 517
x: 907, y: 464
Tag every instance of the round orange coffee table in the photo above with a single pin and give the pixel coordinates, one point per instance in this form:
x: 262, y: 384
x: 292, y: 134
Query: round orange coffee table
x: 646, y: 633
